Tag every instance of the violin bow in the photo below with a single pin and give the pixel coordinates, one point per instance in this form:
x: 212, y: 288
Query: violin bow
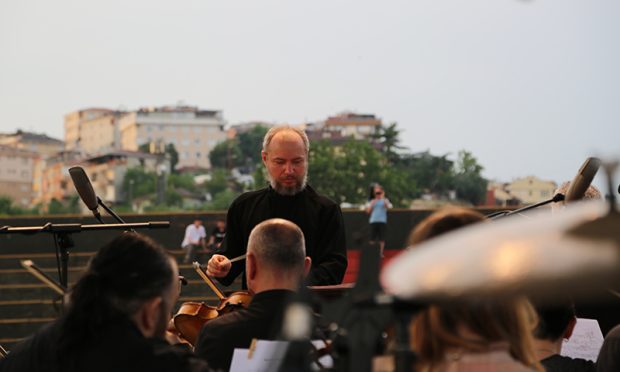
x: 208, y: 280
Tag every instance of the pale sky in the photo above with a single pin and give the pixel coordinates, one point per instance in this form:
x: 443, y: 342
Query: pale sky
x: 529, y: 87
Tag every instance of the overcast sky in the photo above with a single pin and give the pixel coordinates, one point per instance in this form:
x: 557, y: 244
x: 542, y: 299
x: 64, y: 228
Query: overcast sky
x: 529, y: 87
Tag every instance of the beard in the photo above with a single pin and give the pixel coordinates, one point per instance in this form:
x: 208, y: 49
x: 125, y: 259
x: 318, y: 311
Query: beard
x: 288, y: 190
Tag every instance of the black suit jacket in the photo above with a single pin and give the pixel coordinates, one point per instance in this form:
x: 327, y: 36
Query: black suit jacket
x: 261, y: 320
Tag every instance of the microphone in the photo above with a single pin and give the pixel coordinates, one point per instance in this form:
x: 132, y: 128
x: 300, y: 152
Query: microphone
x: 583, y: 179
x: 85, y: 190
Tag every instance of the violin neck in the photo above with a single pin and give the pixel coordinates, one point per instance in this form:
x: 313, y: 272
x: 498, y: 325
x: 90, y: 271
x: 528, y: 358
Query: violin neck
x: 208, y: 280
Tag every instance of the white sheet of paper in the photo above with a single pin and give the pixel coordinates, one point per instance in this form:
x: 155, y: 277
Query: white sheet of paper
x: 267, y: 357
x: 326, y: 360
x: 586, y: 341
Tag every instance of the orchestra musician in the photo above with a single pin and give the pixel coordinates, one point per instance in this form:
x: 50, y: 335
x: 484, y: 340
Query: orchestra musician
x: 285, y: 156
x: 116, y: 317
x: 275, y: 266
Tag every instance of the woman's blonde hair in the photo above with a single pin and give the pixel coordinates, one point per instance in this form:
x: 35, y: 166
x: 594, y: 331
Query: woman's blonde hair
x: 469, y: 325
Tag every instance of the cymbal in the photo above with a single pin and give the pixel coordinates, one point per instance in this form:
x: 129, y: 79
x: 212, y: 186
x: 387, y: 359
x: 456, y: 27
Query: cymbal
x: 574, y: 250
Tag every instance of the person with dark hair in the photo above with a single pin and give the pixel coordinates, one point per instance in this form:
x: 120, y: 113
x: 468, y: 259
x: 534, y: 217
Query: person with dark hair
x: 377, y: 208
x: 555, y: 323
x: 285, y: 156
x: 217, y: 236
x: 116, y: 317
x: 276, y: 264
x: 194, y: 240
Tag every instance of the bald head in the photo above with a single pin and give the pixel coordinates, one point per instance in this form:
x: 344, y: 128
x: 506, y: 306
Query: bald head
x: 278, y: 244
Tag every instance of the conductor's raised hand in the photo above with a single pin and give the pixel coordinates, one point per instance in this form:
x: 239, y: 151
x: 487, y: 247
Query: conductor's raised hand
x: 218, y: 266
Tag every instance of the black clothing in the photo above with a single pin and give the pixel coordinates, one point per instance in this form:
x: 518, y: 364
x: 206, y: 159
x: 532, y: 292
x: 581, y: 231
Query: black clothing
x: 559, y: 363
x: 378, y: 231
x: 218, y: 235
x: 609, y: 356
x: 261, y: 320
x: 121, y: 347
x: 319, y: 218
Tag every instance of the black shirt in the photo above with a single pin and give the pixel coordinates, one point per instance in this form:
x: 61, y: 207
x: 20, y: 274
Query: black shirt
x: 318, y: 217
x: 559, y: 363
x: 218, y: 235
x: 261, y: 320
x: 121, y: 347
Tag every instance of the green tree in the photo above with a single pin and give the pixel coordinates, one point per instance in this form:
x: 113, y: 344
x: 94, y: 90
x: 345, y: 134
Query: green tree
x: 182, y: 181
x: 218, y: 182
x: 389, y: 138
x: 226, y: 154
x: 6, y: 205
x: 173, y: 156
x: 470, y: 186
x: 141, y: 181
x: 222, y: 200
x: 344, y: 173
x: 250, y: 144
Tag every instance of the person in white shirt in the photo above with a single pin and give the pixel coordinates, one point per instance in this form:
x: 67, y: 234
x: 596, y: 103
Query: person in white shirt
x: 195, y: 238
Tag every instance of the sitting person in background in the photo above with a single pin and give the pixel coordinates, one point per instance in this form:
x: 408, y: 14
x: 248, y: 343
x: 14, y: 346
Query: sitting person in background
x: 116, y: 317
x: 556, y: 323
x: 194, y: 240
x: 471, y: 335
x: 217, y: 236
x: 275, y: 267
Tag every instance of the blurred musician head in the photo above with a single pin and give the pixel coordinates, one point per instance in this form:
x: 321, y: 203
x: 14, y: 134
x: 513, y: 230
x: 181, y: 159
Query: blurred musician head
x: 591, y: 193
x: 130, y: 279
x: 473, y: 331
x: 442, y: 221
x: 276, y: 256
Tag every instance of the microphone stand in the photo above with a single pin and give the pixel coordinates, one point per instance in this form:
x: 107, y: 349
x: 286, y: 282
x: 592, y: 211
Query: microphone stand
x: 62, y: 237
x: 556, y: 198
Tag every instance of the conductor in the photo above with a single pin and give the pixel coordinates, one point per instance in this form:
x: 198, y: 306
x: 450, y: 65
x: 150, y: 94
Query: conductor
x: 288, y: 196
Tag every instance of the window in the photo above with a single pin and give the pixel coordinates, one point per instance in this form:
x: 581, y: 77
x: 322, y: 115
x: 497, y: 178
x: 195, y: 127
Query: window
x: 197, y: 155
x: 196, y: 141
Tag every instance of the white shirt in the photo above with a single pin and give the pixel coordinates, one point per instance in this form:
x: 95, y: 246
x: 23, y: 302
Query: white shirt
x: 193, y: 235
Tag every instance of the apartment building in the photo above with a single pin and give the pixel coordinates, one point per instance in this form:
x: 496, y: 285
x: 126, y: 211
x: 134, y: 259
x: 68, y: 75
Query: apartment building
x: 531, y: 189
x: 348, y: 124
x: 90, y: 129
x: 16, y: 174
x: 39, y: 143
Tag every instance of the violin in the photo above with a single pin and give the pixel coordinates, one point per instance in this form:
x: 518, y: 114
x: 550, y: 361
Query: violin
x: 192, y: 316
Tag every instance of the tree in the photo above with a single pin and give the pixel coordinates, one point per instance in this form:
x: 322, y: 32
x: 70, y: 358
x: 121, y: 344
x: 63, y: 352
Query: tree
x: 142, y: 182
x: 344, y: 173
x: 250, y: 144
x: 218, y: 182
x: 6, y: 205
x: 388, y: 138
x: 173, y: 155
x: 470, y: 186
x: 226, y: 154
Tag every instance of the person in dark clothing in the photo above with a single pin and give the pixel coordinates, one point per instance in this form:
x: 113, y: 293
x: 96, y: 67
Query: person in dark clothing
x: 285, y: 155
x: 116, y: 317
x: 217, y: 235
x: 556, y: 323
x: 609, y: 356
x: 276, y: 264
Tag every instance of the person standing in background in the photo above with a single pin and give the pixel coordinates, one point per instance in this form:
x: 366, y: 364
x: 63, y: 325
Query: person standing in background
x: 377, y: 208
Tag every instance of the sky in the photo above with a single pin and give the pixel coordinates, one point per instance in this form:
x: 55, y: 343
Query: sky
x: 529, y: 87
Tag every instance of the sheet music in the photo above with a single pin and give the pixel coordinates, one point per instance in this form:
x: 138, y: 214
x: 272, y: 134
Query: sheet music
x: 266, y: 357
x: 586, y: 341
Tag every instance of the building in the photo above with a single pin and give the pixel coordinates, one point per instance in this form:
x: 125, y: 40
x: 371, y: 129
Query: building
x: 16, y: 174
x: 348, y: 124
x: 82, y: 125
x: 193, y: 132
x: 107, y: 172
x: 38, y: 143
x: 52, y: 180
x: 531, y: 189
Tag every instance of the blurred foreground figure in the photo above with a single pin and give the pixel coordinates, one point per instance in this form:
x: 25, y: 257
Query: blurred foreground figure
x: 473, y: 334
x: 116, y: 317
x: 555, y: 324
